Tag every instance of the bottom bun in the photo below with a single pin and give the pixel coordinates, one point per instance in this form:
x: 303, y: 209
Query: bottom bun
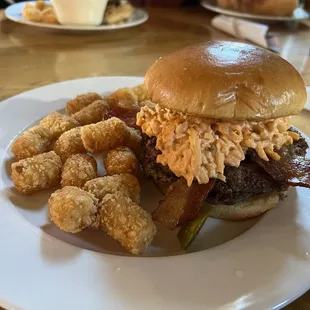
x: 244, y: 210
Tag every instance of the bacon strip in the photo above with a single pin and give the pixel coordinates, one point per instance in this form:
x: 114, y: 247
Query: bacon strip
x: 126, y: 115
x: 181, y: 203
x: 291, y: 169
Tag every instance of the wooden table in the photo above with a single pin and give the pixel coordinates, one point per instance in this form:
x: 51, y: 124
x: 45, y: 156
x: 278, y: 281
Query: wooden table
x: 31, y: 57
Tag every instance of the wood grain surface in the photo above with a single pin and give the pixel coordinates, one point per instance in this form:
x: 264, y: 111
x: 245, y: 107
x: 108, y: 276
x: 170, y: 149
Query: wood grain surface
x: 31, y: 57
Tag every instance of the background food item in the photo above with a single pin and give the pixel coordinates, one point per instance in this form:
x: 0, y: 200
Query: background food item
x: 265, y: 7
x: 36, y: 173
x: 34, y: 141
x: 92, y: 113
x: 120, y: 160
x: 58, y: 123
x: 127, y: 184
x: 81, y: 101
x: 115, y: 14
x: 104, y: 136
x: 69, y: 143
x: 78, y: 169
x: 49, y: 16
x: 126, y: 222
x: 40, y: 5
x: 32, y: 14
x: 41, y: 11
x: 72, y: 209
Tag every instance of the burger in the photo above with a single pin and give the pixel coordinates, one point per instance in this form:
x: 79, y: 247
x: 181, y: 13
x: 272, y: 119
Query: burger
x: 217, y: 130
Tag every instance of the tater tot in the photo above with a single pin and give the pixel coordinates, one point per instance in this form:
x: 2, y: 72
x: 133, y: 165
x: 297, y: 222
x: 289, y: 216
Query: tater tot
x: 32, y: 142
x: 141, y: 92
x: 32, y: 14
x: 72, y: 209
x: 49, y: 16
x: 38, y: 172
x: 78, y: 169
x: 69, y: 143
x: 133, y: 140
x: 58, y: 123
x: 126, y: 184
x: 92, y: 113
x: 120, y: 160
x: 128, y: 97
x: 123, y: 97
x: 28, y: 5
x: 105, y: 135
x: 81, y: 101
x: 40, y: 5
x: 126, y: 222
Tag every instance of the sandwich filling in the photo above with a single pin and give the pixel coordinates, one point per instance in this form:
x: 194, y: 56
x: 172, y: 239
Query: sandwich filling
x: 199, y: 148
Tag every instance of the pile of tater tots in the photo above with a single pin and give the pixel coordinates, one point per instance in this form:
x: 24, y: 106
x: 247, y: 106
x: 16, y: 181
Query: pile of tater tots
x: 59, y: 152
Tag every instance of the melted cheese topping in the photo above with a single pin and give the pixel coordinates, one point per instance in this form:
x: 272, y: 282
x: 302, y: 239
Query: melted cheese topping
x: 197, y: 148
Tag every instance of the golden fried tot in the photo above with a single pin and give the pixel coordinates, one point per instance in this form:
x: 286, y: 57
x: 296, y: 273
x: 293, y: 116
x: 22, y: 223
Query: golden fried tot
x: 92, y: 113
x: 40, y: 5
x: 123, y: 97
x: 49, y: 16
x: 78, y: 169
x: 69, y: 143
x: 141, y: 92
x: 32, y: 14
x: 38, y: 172
x: 126, y: 222
x: 104, y: 136
x: 58, y: 123
x: 81, y: 101
x: 72, y: 209
x: 133, y: 140
x: 120, y: 160
x: 128, y: 98
x: 34, y: 141
x: 28, y: 5
x: 126, y: 184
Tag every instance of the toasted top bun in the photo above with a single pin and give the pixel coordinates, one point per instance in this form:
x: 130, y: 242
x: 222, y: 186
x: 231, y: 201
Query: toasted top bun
x: 226, y: 80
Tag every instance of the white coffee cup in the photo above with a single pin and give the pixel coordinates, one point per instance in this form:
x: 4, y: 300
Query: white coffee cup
x: 80, y: 12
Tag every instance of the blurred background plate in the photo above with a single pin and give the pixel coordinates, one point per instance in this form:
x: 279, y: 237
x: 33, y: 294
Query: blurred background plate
x: 14, y: 13
x: 299, y: 13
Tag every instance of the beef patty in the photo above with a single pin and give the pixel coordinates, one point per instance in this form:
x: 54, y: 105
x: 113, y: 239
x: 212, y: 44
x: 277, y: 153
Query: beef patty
x: 242, y: 182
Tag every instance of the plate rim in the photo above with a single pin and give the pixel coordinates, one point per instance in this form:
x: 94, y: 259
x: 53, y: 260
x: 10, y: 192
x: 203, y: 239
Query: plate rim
x: 99, y: 256
x: 207, y: 4
x: 143, y: 19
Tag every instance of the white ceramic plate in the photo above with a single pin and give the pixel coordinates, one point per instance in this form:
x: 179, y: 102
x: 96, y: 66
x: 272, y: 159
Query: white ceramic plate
x: 14, y: 13
x: 299, y: 14
x: 258, y: 264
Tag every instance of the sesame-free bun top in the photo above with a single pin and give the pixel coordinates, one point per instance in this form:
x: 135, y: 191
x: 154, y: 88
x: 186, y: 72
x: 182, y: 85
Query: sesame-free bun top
x: 226, y: 80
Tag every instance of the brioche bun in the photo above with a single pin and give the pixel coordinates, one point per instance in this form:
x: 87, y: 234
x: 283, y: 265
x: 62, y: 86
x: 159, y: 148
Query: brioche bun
x: 226, y: 80
x: 250, y: 208
x: 266, y: 7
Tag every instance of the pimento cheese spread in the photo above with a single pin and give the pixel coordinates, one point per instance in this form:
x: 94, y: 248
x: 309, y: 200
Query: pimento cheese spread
x: 199, y: 148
